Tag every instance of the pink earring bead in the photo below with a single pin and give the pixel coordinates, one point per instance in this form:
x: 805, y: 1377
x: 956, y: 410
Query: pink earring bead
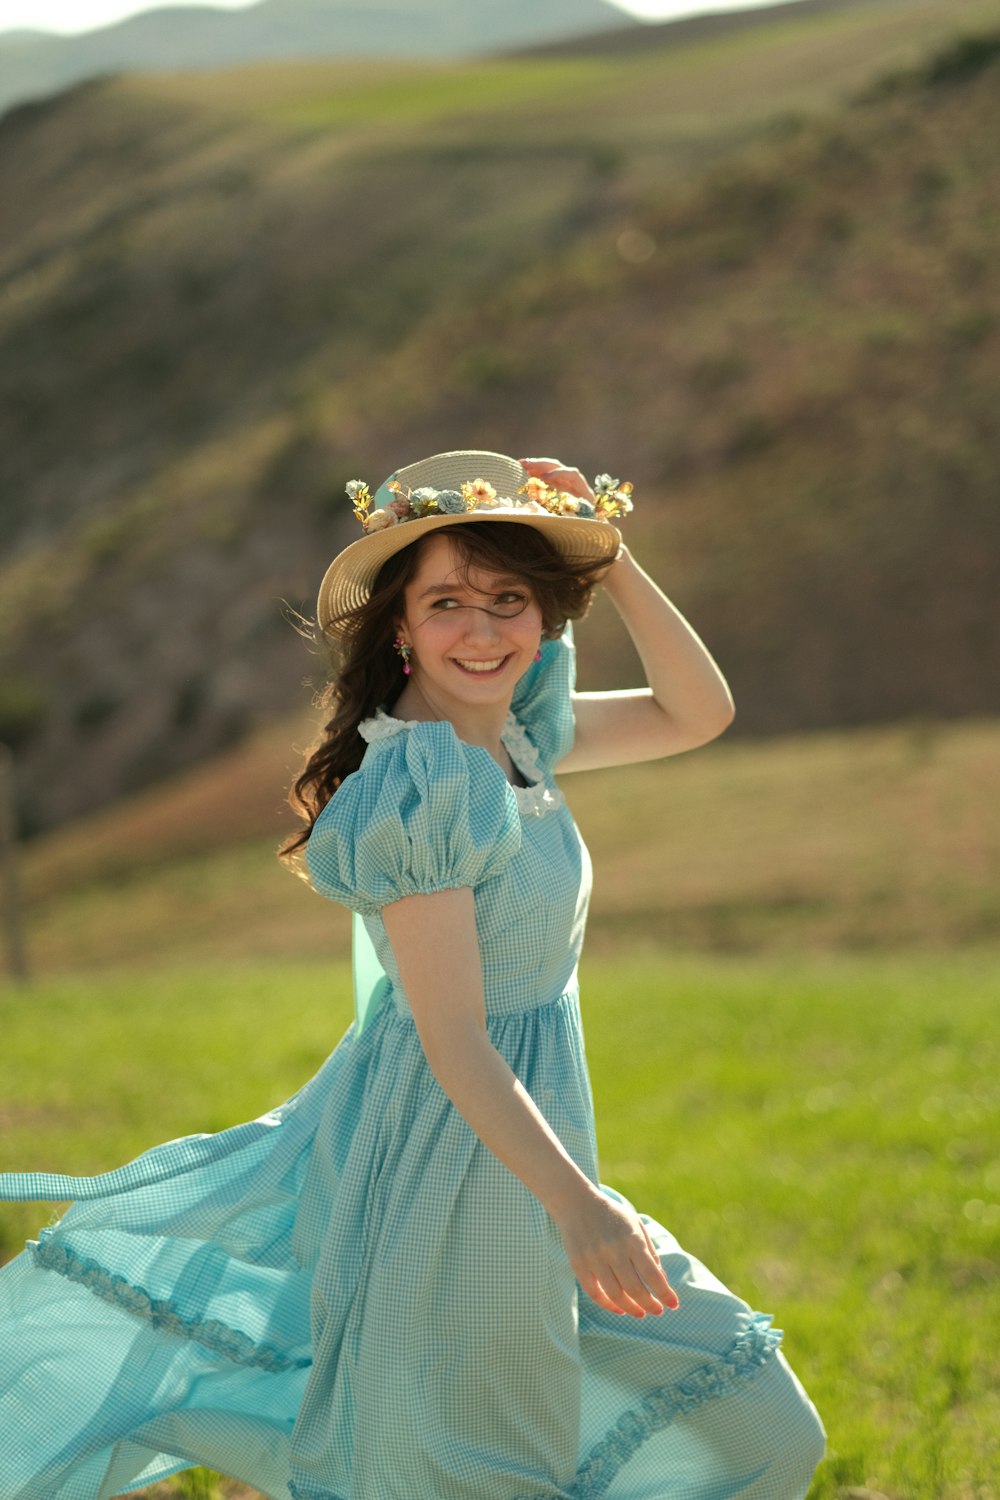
x: 404, y: 650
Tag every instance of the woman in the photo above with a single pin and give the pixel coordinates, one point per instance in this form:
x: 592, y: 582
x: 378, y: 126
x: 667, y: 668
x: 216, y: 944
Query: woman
x: 405, y: 1284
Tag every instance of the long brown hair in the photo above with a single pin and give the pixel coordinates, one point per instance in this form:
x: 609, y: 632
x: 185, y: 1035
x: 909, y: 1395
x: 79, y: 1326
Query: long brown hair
x: 365, y: 670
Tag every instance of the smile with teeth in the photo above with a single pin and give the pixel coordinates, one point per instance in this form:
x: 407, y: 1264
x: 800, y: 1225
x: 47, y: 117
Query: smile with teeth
x: 480, y: 666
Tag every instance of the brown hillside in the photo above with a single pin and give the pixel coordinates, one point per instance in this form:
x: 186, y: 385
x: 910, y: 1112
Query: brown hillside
x: 883, y: 837
x: 224, y: 298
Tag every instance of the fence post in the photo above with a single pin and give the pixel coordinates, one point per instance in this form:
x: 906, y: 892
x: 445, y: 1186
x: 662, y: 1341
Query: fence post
x: 13, y: 918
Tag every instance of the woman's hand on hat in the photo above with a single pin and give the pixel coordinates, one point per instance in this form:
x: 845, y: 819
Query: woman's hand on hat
x: 558, y: 475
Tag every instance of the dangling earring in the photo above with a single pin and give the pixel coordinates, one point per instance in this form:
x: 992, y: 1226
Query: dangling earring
x: 538, y: 654
x: 404, y: 651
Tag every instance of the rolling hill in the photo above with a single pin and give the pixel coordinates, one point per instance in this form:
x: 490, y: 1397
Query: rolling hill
x: 872, y: 839
x: 753, y: 273
x: 34, y: 65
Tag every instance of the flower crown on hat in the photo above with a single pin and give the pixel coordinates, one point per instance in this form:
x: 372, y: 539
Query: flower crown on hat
x: 611, y: 500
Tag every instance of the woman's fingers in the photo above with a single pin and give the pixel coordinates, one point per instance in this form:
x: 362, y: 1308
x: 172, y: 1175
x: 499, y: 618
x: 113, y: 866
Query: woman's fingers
x: 634, y: 1292
x: 564, y: 476
x: 607, y: 1291
x: 614, y: 1258
x: 658, y: 1280
x: 650, y: 1285
x: 596, y: 1293
x: 625, y: 1287
x: 645, y: 1279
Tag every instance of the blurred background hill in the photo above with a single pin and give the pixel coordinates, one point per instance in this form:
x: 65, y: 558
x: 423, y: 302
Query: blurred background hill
x: 752, y: 270
x: 34, y: 64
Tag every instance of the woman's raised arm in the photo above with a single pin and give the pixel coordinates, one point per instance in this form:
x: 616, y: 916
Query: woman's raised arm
x: 434, y: 941
x: 687, y: 701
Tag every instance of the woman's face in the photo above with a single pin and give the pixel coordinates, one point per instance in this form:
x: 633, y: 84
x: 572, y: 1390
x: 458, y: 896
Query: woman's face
x: 472, y: 636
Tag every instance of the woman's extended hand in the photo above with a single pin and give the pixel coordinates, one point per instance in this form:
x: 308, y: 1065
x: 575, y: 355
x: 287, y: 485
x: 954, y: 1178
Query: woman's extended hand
x: 613, y: 1257
x: 558, y: 475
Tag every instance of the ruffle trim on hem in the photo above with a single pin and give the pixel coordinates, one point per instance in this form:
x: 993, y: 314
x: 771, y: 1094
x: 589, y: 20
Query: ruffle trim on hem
x: 48, y: 1254
x: 750, y: 1352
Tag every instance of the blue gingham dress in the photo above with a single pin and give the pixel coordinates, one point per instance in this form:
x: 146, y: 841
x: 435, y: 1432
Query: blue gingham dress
x: 350, y: 1298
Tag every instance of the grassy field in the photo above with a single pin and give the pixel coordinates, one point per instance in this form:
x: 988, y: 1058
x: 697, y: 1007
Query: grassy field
x: 824, y: 1131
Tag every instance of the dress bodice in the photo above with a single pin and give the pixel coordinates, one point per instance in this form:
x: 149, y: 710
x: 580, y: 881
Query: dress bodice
x: 426, y: 812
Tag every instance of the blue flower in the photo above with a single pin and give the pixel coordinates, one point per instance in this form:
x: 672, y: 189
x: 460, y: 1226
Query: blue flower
x: 450, y: 502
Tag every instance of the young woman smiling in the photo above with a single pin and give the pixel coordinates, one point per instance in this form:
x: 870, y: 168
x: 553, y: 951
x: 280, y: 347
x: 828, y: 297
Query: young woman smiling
x: 407, y: 1282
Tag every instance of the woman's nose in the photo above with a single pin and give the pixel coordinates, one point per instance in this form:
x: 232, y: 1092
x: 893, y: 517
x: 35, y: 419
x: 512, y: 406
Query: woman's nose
x: 481, y: 625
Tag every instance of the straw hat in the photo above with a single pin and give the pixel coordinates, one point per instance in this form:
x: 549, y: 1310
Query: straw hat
x: 494, y: 480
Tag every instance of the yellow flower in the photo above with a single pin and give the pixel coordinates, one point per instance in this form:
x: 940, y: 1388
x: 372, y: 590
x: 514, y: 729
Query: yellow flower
x: 536, y: 489
x: 614, y: 502
x: 360, y: 498
x: 381, y: 518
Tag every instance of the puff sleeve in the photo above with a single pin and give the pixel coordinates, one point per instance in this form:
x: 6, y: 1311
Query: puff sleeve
x: 424, y: 813
x: 543, y: 699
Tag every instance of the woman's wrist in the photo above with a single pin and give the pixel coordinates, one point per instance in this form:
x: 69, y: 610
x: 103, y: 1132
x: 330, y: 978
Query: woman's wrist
x: 622, y: 563
x: 570, y: 1196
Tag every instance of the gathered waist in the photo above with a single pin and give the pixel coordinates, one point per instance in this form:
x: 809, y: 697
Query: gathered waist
x: 500, y: 1007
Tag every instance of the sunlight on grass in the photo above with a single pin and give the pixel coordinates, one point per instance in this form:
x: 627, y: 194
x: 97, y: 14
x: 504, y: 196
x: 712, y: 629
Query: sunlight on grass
x: 823, y: 1131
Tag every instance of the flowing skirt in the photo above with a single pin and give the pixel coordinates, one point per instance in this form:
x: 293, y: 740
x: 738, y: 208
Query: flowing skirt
x: 351, y: 1299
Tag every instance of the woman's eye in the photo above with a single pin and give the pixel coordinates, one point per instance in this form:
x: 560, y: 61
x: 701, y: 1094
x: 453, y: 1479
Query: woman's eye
x: 510, y: 602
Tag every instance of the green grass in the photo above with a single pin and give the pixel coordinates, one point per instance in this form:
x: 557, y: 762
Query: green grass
x: 823, y: 1131
x: 828, y: 1136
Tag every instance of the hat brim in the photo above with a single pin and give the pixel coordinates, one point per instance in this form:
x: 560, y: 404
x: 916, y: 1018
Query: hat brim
x: 347, y: 583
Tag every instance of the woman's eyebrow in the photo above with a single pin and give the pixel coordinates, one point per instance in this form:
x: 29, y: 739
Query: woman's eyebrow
x: 497, y: 585
x: 441, y: 588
